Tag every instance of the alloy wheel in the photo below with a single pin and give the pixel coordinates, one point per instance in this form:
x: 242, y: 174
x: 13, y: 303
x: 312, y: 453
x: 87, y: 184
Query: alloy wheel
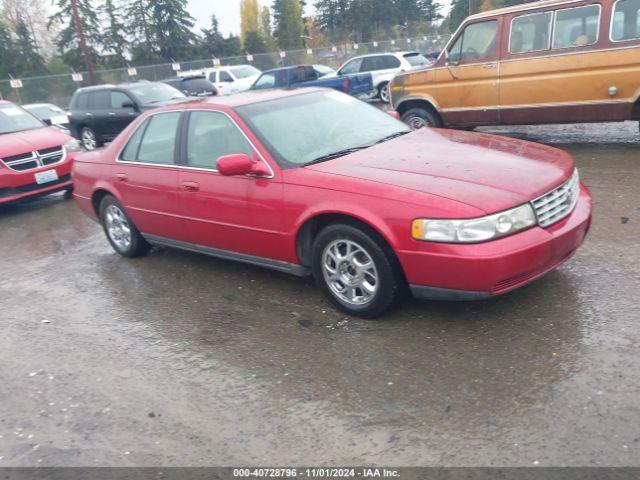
x: 384, y: 93
x: 118, y: 227
x: 89, y: 139
x: 350, y: 272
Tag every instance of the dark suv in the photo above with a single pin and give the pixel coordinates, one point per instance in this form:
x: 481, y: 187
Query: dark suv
x: 195, y: 86
x: 99, y: 114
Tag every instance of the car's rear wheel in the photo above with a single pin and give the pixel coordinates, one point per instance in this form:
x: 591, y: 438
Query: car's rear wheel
x: 356, y: 270
x: 122, y: 234
x: 89, y: 139
x: 383, y: 93
x: 417, y: 118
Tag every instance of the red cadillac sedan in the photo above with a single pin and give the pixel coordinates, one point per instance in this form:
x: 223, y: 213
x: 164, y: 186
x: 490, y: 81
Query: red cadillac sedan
x: 315, y: 182
x: 35, y: 159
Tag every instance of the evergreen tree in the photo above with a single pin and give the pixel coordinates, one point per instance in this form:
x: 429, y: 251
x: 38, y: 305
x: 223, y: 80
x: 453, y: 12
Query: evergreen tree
x: 254, y: 43
x: 172, y: 29
x: 114, y: 41
x: 28, y: 61
x: 67, y: 41
x: 7, y: 53
x: 139, y: 29
x: 213, y: 43
x: 265, y: 31
x: 289, y: 25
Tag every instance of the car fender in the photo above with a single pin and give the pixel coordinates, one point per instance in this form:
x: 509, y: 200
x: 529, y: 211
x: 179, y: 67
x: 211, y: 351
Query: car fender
x: 424, y: 98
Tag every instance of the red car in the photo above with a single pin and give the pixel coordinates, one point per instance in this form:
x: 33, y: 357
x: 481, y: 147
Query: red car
x: 35, y: 159
x: 316, y: 182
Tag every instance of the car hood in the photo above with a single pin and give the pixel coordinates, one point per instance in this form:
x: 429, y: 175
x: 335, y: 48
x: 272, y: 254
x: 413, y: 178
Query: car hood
x: 488, y: 172
x: 29, y: 140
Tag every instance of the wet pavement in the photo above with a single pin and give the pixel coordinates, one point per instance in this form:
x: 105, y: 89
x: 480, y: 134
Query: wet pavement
x: 181, y: 359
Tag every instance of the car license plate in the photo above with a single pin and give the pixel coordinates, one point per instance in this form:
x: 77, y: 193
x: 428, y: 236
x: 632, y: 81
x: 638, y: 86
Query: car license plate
x: 46, y: 177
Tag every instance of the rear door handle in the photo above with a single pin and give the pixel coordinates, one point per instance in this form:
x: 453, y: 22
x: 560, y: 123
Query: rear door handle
x: 122, y: 177
x: 190, y: 186
x: 112, y: 114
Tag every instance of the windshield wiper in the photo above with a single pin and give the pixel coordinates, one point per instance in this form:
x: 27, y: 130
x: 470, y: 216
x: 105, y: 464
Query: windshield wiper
x: 340, y: 153
x: 391, y: 137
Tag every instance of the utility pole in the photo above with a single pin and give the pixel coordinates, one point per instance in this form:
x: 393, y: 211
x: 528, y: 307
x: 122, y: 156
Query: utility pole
x: 83, y: 42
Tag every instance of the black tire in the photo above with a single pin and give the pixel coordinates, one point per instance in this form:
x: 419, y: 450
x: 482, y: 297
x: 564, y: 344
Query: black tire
x: 391, y: 285
x: 137, y: 246
x: 68, y: 193
x: 85, y: 134
x: 420, y: 117
x: 381, y: 87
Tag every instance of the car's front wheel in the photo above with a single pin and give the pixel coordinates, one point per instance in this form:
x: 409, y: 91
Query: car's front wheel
x: 89, y: 139
x: 122, y: 234
x: 356, y: 270
x: 417, y: 118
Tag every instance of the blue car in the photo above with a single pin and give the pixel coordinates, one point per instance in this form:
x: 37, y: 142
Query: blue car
x: 311, y: 76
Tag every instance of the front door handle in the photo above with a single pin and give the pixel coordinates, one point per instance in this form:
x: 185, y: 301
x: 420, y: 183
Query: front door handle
x: 490, y: 65
x: 122, y: 177
x: 112, y: 114
x: 190, y: 186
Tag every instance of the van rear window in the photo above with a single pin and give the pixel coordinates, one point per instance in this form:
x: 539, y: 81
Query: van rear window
x: 626, y: 20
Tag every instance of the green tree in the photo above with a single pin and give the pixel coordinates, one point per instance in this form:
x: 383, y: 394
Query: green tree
x: 265, y: 31
x: 213, y: 43
x: 173, y: 26
x: 67, y: 41
x: 254, y: 43
x: 7, y: 53
x: 28, y: 62
x: 114, y: 42
x: 288, y: 23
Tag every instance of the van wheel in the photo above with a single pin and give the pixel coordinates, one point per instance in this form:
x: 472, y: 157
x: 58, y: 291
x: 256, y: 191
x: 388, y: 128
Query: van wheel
x: 356, y: 271
x: 383, y: 92
x: 89, y: 139
x: 122, y: 234
x: 418, y: 118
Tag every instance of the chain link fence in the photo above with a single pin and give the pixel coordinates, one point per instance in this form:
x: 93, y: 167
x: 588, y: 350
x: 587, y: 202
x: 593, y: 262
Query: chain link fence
x: 58, y: 89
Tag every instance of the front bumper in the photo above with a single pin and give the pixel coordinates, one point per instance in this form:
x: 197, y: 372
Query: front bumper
x: 16, y: 185
x: 477, y: 271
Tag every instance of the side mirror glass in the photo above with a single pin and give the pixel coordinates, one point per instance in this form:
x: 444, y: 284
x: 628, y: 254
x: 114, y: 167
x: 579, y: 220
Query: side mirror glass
x: 240, y: 164
x: 128, y: 104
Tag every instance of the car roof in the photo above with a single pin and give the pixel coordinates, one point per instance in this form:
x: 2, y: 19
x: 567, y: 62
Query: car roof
x: 290, y: 67
x: 34, y: 105
x: 408, y: 52
x: 521, y: 7
x: 123, y: 85
x: 245, y: 98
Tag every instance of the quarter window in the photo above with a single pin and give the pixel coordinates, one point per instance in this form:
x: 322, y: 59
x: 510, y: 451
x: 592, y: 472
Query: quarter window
x: 154, y: 141
x: 530, y: 33
x: 476, y: 42
x: 626, y: 20
x: 212, y: 135
x: 576, y: 27
x: 101, y: 100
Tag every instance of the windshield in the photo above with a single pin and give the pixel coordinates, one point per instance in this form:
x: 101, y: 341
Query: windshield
x: 245, y: 72
x: 44, y: 112
x: 416, y: 59
x: 301, y: 129
x: 151, y: 93
x: 15, y: 119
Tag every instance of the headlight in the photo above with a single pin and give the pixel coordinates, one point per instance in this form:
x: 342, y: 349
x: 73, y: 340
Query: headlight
x: 73, y: 145
x: 474, y: 230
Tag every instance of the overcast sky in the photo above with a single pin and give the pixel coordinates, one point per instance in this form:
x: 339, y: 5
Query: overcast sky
x: 228, y: 12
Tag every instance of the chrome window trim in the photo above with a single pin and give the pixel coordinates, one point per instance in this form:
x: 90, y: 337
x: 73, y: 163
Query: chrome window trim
x: 185, y: 167
x: 551, y: 18
x: 613, y: 14
x: 555, y: 18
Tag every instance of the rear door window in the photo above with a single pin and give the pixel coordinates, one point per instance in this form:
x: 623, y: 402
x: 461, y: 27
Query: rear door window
x: 576, y: 27
x: 476, y: 43
x: 225, y: 77
x: 118, y: 99
x: 154, y: 141
x: 530, y: 33
x: 372, y: 64
x: 389, y: 61
x: 303, y: 74
x: 626, y: 21
x: 101, y: 100
x: 82, y: 103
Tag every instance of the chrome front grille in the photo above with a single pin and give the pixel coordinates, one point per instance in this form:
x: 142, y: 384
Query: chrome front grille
x: 557, y: 204
x: 37, y: 159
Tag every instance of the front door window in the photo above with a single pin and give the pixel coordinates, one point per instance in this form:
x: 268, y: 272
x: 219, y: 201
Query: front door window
x: 476, y: 43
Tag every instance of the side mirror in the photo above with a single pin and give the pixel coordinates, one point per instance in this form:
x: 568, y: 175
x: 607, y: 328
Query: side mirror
x: 240, y: 164
x: 128, y: 104
x: 394, y: 114
x: 47, y: 121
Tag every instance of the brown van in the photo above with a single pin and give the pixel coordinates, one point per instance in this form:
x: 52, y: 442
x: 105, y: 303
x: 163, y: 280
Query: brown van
x: 544, y: 62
